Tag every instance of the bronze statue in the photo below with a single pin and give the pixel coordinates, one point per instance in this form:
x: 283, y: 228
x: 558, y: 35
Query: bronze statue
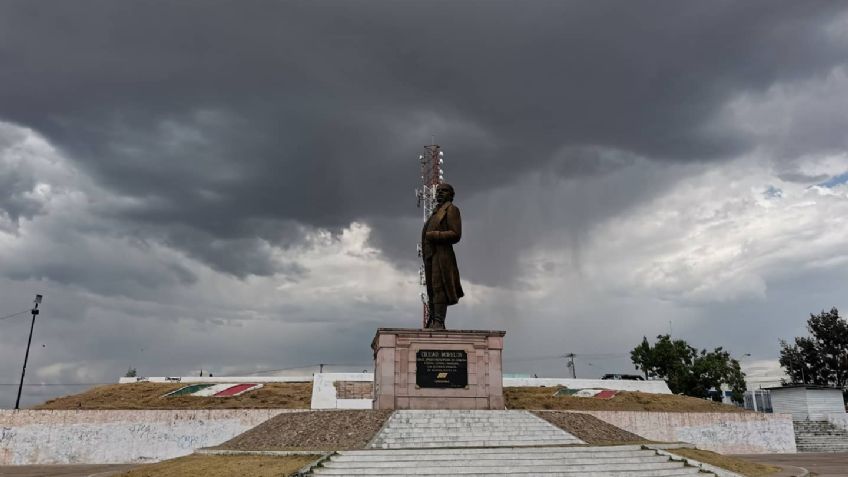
x: 442, y: 230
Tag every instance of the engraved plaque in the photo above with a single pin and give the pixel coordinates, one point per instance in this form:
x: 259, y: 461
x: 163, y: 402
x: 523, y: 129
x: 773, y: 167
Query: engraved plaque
x: 441, y: 368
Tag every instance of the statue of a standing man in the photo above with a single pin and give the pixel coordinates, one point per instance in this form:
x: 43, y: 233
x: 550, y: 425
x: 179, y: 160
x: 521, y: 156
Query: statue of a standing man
x: 442, y: 230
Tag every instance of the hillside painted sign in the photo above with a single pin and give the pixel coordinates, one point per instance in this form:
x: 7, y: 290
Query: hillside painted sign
x: 214, y: 390
x: 587, y: 393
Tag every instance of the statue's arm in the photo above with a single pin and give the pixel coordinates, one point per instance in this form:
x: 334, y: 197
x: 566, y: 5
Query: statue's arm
x: 453, y: 233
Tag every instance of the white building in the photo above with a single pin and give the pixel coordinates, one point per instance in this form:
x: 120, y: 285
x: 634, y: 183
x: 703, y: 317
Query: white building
x: 807, y: 402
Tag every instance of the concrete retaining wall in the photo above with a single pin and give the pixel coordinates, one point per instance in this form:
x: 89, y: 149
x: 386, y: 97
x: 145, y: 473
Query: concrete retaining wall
x: 324, y: 392
x: 725, y: 432
x: 653, y: 387
x: 324, y: 395
x: 839, y: 420
x: 117, y: 437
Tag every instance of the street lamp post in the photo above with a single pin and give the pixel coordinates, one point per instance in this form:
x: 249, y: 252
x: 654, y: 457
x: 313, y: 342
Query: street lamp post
x: 26, y: 356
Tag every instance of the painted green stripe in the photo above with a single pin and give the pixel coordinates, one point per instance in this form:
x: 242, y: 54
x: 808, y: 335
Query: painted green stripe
x: 187, y: 390
x: 565, y: 392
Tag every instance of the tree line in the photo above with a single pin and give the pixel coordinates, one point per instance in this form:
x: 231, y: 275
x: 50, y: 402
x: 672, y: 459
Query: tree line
x: 818, y: 359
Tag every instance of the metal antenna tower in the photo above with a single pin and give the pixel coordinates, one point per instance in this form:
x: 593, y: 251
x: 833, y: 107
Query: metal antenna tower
x: 432, y: 174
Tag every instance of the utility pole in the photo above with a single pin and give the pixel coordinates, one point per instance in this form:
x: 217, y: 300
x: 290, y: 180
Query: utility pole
x: 34, y: 312
x: 571, y: 365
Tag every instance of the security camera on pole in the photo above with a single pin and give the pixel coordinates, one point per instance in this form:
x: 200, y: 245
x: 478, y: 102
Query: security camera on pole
x: 34, y: 312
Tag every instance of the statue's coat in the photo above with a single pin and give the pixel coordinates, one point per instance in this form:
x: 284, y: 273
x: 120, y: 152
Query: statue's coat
x: 440, y: 233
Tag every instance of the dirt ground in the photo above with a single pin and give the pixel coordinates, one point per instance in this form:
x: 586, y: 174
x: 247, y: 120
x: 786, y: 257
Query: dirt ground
x: 315, y: 430
x: 589, y: 428
x: 543, y: 399
x: 149, y: 396
x: 223, y: 466
x: 820, y: 464
x: 733, y: 464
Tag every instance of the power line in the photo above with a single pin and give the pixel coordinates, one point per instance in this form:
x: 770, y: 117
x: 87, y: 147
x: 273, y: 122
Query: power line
x: 316, y: 365
x: 533, y: 358
x: 56, y: 384
x: 13, y: 314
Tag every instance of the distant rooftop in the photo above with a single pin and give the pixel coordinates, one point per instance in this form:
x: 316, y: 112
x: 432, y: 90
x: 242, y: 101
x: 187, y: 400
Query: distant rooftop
x: 806, y: 386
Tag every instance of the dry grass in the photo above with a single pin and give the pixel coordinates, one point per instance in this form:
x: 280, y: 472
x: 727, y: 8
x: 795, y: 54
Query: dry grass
x: 543, y: 398
x: 743, y: 467
x: 149, y: 396
x: 314, y: 430
x: 224, y: 466
x: 590, y: 429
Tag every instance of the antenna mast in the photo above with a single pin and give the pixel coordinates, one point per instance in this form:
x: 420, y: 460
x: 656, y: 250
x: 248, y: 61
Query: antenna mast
x: 432, y: 174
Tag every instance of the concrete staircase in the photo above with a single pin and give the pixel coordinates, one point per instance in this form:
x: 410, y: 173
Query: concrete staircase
x: 497, y: 443
x: 433, y: 429
x: 820, y: 436
x: 611, y: 461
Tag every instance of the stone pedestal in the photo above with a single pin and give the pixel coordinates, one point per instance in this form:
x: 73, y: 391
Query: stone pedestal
x: 438, y: 369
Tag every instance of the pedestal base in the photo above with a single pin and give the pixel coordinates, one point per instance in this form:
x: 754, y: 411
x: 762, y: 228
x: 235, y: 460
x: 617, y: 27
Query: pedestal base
x: 438, y: 369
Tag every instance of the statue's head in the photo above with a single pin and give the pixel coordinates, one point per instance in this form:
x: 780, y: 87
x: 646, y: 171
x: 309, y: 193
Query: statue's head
x: 444, y: 193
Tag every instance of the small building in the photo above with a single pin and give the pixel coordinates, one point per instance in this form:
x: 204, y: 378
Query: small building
x: 807, y: 402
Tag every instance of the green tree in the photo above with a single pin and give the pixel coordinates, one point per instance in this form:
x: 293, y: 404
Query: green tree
x: 822, y: 357
x: 686, y: 370
x: 131, y: 373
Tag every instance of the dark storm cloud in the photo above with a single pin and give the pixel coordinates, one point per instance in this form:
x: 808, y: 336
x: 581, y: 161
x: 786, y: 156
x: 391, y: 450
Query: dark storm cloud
x: 237, y: 119
x: 16, y: 187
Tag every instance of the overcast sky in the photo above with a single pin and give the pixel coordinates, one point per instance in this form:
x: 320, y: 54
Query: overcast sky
x: 228, y: 186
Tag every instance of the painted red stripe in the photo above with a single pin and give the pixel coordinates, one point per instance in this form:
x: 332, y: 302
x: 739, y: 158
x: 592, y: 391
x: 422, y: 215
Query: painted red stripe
x: 235, y: 389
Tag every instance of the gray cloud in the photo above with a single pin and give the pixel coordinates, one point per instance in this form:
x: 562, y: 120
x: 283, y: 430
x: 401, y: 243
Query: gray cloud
x: 224, y: 116
x: 196, y: 153
x: 17, y: 184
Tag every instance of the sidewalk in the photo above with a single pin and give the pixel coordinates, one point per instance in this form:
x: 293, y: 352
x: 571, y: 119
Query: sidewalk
x: 822, y: 464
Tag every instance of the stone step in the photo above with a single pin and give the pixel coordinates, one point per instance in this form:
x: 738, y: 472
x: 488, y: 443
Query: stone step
x: 822, y: 446
x: 524, y: 454
x: 629, y: 473
x: 463, y: 412
x: 493, y: 436
x: 454, y: 469
x: 448, y: 414
x: 468, y: 432
x: 341, y: 463
x: 820, y: 434
x: 583, y: 461
x: 468, y: 452
x: 459, y: 424
x: 438, y: 445
x: 463, y: 422
x: 444, y: 429
x: 464, y: 429
x: 815, y: 434
x: 452, y: 420
x: 461, y: 427
x: 821, y: 438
